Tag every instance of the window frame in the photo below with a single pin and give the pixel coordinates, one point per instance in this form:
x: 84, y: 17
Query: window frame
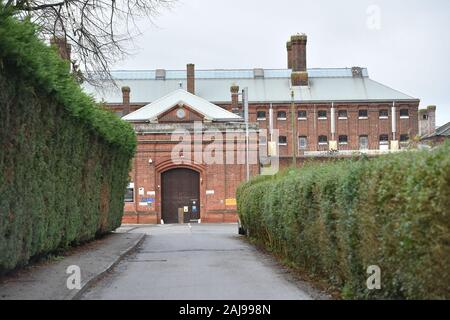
x: 322, y: 117
x: 343, y: 117
x: 343, y: 142
x: 380, y: 116
x: 322, y: 143
x: 130, y: 186
x: 302, y: 118
x: 404, y: 135
x: 359, y: 141
x: 360, y: 117
x: 383, y: 141
x: 260, y: 118
x: 282, y: 143
x: 404, y: 116
x: 306, y: 142
x: 281, y: 118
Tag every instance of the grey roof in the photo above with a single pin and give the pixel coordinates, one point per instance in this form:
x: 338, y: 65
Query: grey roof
x: 214, y: 85
x: 441, y: 131
x: 210, y: 111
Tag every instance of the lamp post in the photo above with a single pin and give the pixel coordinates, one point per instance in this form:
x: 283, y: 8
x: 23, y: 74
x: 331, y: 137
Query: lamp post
x: 245, y: 105
x: 294, y: 131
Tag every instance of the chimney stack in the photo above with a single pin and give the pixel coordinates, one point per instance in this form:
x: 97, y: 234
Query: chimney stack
x: 191, y: 78
x: 298, y: 60
x: 126, y: 100
x: 234, y: 89
x: 289, y: 54
x: 431, y: 119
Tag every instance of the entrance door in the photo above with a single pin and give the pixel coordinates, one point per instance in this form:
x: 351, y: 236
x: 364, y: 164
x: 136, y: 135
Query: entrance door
x: 180, y: 189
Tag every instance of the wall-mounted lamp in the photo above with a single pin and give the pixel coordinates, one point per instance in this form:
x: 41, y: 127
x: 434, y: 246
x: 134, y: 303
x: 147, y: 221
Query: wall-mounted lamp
x: 150, y: 161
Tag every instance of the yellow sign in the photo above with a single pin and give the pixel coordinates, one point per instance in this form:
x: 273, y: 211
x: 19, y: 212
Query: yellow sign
x: 230, y: 202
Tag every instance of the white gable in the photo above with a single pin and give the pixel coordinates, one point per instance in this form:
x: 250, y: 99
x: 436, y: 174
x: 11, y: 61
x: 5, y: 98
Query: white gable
x: 210, y: 111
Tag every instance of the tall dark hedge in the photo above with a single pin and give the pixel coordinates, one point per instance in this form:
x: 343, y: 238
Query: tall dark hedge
x: 334, y: 220
x: 63, y: 160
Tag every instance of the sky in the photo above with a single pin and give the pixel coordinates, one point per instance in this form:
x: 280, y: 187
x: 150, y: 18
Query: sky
x: 404, y: 44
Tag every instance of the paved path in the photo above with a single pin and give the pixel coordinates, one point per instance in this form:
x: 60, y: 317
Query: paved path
x: 197, y: 262
x: 47, y: 280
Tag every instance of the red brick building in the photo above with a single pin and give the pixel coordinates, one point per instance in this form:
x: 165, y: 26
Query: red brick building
x: 307, y: 112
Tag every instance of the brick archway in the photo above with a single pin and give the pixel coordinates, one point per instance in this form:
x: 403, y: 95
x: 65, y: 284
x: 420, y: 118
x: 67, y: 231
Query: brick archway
x: 170, y: 164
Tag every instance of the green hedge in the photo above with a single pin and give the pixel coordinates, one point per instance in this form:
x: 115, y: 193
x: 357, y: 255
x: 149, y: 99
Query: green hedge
x: 63, y: 160
x: 334, y: 220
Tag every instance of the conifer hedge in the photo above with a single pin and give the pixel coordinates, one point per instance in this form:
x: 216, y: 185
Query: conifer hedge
x: 63, y: 160
x: 334, y: 220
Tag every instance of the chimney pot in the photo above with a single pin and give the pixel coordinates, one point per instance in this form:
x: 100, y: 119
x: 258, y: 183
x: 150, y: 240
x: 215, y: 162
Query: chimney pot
x: 191, y: 78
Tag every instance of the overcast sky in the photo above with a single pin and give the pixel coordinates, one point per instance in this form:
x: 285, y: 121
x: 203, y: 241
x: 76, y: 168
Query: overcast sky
x: 404, y: 44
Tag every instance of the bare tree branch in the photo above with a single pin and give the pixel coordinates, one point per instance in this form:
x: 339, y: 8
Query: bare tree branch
x: 99, y: 31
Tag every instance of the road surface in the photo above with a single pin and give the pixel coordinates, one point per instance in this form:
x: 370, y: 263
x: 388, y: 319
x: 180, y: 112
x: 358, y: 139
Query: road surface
x: 198, y: 261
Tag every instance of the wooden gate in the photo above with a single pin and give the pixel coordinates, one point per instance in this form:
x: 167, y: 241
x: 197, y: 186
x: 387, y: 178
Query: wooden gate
x: 180, y: 189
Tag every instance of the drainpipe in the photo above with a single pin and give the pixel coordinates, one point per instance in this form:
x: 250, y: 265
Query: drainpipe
x: 294, y: 134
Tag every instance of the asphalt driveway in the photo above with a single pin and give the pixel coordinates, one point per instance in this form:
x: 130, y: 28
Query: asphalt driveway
x: 198, y: 261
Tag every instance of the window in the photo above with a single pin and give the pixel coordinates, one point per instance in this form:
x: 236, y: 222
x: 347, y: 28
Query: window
x: 384, y: 139
x: 323, y: 140
x: 384, y: 114
x: 343, y: 139
x: 322, y: 114
x: 261, y: 115
x: 384, y: 142
x: 129, y: 194
x: 281, y: 115
x: 302, y: 142
x: 363, y: 114
x: 342, y: 114
x: 301, y: 114
x: 404, y: 138
x: 404, y: 113
x: 425, y: 117
x: 363, y: 142
x: 282, y: 140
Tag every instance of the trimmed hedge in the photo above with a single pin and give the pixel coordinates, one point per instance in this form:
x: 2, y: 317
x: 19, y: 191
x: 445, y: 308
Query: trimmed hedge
x: 333, y: 220
x: 63, y: 160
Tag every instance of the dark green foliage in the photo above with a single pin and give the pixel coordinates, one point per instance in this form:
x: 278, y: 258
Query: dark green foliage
x: 63, y: 161
x: 336, y: 219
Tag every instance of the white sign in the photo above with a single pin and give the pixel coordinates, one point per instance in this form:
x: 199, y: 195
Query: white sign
x: 186, y: 209
x: 151, y: 193
x: 209, y: 191
x: 141, y: 191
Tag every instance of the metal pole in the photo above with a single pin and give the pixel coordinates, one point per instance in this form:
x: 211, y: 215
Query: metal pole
x: 245, y: 104
x: 294, y: 132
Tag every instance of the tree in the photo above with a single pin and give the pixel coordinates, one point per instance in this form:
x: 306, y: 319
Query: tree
x: 98, y: 31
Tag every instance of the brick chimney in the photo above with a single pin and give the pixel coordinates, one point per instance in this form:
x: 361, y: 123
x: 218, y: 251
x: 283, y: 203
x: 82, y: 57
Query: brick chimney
x: 299, y: 71
x: 427, y: 120
x: 64, y: 48
x: 234, y: 89
x: 126, y: 100
x: 289, y: 54
x: 191, y: 78
x: 431, y: 119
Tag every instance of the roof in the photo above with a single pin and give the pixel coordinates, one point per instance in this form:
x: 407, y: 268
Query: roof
x: 441, y: 131
x: 274, y: 85
x: 210, y: 111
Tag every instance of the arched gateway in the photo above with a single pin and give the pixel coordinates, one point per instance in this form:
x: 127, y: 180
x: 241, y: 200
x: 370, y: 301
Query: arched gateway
x: 180, y: 189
